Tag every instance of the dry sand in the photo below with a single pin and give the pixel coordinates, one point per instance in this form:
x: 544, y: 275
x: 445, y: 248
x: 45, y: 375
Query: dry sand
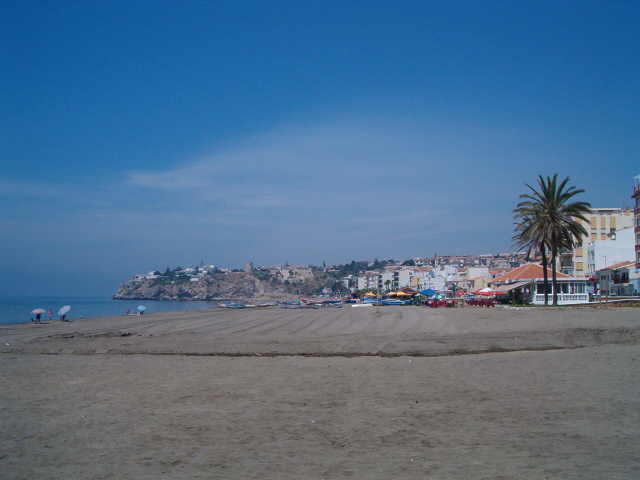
x: 80, y: 400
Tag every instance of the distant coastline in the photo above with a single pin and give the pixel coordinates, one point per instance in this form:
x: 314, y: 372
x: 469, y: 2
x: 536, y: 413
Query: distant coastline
x: 18, y: 310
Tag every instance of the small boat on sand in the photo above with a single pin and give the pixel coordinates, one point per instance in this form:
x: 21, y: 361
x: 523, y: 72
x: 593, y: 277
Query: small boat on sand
x: 232, y: 305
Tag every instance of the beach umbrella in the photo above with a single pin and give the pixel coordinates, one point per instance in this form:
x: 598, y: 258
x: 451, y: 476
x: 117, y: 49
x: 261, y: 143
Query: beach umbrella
x: 428, y: 292
x: 487, y: 292
x: 141, y: 308
x: 37, y: 311
x: 370, y: 294
x: 402, y: 294
x: 64, y: 310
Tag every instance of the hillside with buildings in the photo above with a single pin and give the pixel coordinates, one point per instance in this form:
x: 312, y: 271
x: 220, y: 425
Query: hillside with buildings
x: 208, y: 282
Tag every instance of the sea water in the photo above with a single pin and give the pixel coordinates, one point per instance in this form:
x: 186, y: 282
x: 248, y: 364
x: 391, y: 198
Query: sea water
x: 18, y: 310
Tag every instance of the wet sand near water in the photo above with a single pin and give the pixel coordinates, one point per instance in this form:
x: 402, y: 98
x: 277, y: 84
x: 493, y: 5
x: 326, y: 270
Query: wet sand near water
x: 331, y: 331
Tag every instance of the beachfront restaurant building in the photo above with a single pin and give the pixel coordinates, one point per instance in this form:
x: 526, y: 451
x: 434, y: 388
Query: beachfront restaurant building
x: 526, y: 283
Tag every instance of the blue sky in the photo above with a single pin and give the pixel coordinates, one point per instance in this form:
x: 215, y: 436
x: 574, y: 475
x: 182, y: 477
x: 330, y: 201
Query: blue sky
x: 137, y: 135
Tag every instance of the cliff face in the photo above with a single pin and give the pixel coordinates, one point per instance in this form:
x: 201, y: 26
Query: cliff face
x: 239, y: 285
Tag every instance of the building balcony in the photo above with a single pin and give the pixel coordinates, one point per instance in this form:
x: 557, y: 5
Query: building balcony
x: 563, y: 298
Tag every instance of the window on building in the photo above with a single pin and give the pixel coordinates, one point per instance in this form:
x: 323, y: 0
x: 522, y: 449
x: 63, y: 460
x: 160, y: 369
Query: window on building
x: 603, y: 236
x: 580, y: 266
x: 613, y: 223
x: 540, y: 288
x: 580, y: 288
x: 594, y: 237
x: 603, y: 222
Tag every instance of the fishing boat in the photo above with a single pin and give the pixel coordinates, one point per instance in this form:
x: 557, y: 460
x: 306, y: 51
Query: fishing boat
x: 232, y: 305
x: 391, y: 301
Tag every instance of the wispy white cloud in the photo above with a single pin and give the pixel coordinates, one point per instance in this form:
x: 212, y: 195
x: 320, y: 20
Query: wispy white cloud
x: 290, y: 156
x: 346, y: 175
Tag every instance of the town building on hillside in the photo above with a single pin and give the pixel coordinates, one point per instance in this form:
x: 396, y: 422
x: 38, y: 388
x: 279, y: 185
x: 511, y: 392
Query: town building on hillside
x: 527, y: 283
x: 368, y: 281
x: 470, y: 278
x: 619, y: 279
x: 438, y: 278
x: 475, y: 283
x: 290, y: 273
x: 602, y: 224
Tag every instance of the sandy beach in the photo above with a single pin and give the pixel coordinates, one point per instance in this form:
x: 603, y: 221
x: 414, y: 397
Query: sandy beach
x: 333, y: 393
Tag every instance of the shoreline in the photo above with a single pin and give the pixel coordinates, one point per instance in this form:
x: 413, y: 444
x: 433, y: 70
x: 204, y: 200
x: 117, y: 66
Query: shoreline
x: 383, y: 331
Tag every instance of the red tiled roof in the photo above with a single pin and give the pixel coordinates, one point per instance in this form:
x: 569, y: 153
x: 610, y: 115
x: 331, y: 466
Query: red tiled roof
x: 496, y: 271
x: 615, y: 266
x: 527, y: 272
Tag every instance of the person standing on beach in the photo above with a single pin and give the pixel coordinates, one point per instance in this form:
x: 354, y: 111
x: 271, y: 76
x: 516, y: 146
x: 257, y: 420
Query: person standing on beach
x: 49, y: 315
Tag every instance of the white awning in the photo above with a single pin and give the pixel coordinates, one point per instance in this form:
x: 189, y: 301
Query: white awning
x: 513, y: 286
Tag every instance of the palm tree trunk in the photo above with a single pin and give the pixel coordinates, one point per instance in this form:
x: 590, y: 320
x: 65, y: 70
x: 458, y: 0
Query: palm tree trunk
x: 554, y: 256
x: 546, y: 275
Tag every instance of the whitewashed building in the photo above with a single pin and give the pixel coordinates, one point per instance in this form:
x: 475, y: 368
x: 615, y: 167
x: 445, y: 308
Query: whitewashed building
x: 618, y: 248
x: 527, y: 282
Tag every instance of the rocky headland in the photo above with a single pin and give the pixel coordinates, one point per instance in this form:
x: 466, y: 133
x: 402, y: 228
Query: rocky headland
x: 221, y: 285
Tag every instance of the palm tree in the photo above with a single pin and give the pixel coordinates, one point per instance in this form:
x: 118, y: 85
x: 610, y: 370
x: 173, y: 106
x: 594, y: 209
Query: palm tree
x: 549, y: 220
x: 529, y: 235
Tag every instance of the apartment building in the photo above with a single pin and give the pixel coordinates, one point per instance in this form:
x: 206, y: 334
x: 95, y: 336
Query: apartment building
x: 616, y: 249
x: 636, y: 197
x: 602, y: 224
x: 472, y: 278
